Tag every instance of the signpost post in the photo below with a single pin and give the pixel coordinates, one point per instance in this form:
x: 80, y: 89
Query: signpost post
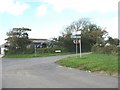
x: 76, y: 46
x: 80, y: 46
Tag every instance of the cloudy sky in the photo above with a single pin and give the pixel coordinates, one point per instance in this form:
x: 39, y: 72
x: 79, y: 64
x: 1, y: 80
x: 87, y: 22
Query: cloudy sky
x: 48, y: 18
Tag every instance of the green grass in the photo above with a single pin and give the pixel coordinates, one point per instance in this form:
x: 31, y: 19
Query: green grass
x: 93, y: 63
x: 33, y: 55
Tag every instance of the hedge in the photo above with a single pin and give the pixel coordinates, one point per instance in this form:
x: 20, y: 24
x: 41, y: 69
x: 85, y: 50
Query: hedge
x: 50, y: 49
x: 112, y: 49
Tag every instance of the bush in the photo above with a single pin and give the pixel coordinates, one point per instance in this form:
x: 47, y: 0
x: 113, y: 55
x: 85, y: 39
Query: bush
x: 112, y: 49
x: 29, y: 51
x: 13, y: 52
x: 38, y: 50
x: 50, y: 49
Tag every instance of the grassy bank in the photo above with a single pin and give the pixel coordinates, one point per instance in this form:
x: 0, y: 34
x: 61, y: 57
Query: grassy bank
x: 33, y: 55
x: 93, y: 62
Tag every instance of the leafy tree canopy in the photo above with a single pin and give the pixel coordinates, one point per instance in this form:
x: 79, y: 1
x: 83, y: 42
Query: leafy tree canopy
x: 17, y: 40
x: 90, y: 34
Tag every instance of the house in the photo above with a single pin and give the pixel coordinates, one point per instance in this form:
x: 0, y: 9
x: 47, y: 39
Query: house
x: 40, y: 43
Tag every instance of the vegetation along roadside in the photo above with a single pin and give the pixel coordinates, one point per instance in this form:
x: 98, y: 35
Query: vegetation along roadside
x: 100, y: 63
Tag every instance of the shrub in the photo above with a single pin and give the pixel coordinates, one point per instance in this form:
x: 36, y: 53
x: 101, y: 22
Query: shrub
x: 13, y: 52
x: 50, y: 49
x: 29, y: 51
x: 112, y: 49
x: 38, y: 50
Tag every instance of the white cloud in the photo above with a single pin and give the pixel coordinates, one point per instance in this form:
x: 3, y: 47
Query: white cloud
x: 45, y: 33
x: 111, y: 25
x: 41, y: 10
x: 90, y: 6
x: 11, y: 7
x: 113, y: 28
x: 102, y: 6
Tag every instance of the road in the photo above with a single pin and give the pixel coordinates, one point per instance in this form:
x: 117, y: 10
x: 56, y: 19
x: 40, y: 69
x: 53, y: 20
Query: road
x: 42, y: 72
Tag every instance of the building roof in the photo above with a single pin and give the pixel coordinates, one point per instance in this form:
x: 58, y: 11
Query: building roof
x: 37, y: 39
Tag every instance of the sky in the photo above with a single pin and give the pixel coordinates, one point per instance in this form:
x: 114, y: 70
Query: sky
x: 48, y: 18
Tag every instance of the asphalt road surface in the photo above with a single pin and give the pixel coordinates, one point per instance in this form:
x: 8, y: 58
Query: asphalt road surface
x: 42, y: 72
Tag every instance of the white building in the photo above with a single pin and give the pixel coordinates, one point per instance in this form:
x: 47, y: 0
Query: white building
x: 40, y: 43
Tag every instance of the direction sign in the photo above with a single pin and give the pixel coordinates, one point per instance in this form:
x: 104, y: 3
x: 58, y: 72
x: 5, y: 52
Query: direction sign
x: 76, y: 41
x: 74, y: 36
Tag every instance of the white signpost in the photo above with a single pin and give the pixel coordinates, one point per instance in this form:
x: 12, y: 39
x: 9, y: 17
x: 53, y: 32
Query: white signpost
x: 77, y: 39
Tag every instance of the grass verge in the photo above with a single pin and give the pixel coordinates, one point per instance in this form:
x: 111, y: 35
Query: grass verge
x: 33, y: 55
x: 107, y: 64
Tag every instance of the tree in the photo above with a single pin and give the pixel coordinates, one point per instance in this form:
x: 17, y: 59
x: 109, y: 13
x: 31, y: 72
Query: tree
x: 91, y: 34
x: 66, y: 39
x: 96, y: 33
x: 17, y: 40
x: 66, y: 42
x: 76, y: 26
